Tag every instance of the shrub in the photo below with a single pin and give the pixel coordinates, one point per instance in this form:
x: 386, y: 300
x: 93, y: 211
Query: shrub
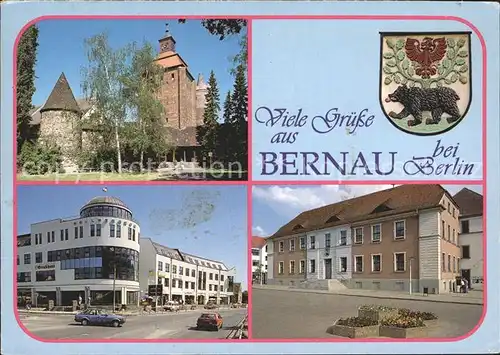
x: 375, y: 307
x: 39, y: 159
x: 403, y: 322
x: 356, y: 322
x: 417, y: 314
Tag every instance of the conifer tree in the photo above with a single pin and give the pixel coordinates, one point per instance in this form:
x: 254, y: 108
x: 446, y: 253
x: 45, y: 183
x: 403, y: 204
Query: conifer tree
x: 25, y: 83
x: 206, y: 134
x: 226, y: 132
x: 239, y: 117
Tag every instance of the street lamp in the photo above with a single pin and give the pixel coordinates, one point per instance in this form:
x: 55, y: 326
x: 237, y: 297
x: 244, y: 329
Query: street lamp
x: 411, y: 261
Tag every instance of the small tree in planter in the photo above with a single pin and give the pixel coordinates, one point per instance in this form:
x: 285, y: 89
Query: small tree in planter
x: 429, y: 318
x: 402, y: 327
x: 377, y: 312
x: 354, y: 327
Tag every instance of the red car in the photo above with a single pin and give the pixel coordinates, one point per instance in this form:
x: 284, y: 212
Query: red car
x: 211, y: 321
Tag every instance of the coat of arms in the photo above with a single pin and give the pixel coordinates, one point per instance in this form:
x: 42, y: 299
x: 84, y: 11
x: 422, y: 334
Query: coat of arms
x: 425, y: 80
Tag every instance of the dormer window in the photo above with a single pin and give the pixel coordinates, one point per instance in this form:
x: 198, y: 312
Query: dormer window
x: 332, y: 219
x: 297, y: 227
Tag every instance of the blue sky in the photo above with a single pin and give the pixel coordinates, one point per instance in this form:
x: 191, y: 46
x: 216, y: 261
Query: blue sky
x: 61, y: 49
x: 273, y: 206
x: 207, y: 221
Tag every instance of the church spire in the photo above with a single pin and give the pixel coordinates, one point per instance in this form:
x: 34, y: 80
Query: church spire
x: 167, y: 42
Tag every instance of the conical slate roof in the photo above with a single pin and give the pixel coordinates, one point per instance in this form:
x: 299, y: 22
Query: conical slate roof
x: 61, y: 97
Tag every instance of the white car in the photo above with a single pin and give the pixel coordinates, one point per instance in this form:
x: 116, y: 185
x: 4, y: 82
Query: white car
x: 172, y: 306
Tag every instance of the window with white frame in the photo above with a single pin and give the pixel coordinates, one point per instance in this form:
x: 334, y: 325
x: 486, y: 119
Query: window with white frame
x: 281, y: 247
x: 358, y: 235
x: 376, y: 233
x: 454, y: 264
x: 358, y: 263
x: 328, y: 240
x: 343, y: 264
x: 399, y: 230
x: 376, y: 262
x: 291, y: 267
x: 312, y: 266
x: 302, y: 242
x: 281, y: 266
x: 312, y: 242
x: 292, y: 244
x: 343, y: 237
x: 302, y: 266
x: 399, y: 262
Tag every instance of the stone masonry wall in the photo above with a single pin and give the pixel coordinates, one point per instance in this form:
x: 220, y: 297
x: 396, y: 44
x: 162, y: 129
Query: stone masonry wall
x: 169, y: 97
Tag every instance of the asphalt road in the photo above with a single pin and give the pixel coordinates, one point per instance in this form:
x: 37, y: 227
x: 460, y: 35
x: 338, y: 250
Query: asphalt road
x: 288, y: 315
x: 154, y: 326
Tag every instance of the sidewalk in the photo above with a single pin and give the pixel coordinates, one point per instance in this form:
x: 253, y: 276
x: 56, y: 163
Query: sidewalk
x: 473, y: 297
x: 135, y: 313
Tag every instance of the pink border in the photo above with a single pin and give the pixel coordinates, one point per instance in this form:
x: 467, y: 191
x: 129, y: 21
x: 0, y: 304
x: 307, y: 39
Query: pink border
x: 250, y: 183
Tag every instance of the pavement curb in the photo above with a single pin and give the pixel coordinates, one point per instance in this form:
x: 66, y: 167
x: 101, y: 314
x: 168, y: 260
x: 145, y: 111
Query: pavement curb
x: 395, y: 297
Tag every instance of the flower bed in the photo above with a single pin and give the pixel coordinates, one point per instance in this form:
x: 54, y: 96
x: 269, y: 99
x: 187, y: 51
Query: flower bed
x: 354, y: 327
x: 402, y: 326
x: 429, y: 318
x: 377, y: 312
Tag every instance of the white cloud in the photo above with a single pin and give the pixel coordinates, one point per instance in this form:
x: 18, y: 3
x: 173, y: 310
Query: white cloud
x: 291, y: 200
x: 259, y: 231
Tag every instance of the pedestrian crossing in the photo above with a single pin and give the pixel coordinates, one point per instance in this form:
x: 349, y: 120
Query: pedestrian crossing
x: 34, y: 324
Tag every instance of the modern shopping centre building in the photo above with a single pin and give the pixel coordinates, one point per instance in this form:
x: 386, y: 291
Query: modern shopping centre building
x: 88, y: 256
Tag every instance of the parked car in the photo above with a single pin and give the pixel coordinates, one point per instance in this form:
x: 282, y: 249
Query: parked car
x: 172, y: 306
x: 210, y: 321
x: 210, y: 305
x: 99, y: 317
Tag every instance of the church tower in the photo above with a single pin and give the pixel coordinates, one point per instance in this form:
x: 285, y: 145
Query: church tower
x: 59, y: 122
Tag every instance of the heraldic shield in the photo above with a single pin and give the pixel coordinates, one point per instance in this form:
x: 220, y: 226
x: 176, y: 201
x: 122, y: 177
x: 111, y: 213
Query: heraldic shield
x: 425, y: 80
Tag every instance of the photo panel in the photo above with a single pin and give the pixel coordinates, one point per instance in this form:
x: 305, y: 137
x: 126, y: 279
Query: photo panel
x: 143, y: 99
x: 394, y: 100
x: 155, y: 263
x: 367, y: 261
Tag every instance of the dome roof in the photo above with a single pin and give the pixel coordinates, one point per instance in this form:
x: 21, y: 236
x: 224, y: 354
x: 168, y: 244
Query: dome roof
x: 105, y: 200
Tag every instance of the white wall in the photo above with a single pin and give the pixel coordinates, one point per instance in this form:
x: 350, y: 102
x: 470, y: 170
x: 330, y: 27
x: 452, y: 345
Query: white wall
x: 474, y: 239
x: 335, y: 252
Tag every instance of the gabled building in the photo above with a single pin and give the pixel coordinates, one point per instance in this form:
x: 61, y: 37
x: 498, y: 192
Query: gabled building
x: 377, y: 241
x: 470, y: 237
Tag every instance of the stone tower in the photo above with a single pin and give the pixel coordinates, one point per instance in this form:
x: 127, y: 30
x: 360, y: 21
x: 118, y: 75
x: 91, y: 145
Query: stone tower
x: 201, y: 101
x: 59, y: 122
x: 178, y: 92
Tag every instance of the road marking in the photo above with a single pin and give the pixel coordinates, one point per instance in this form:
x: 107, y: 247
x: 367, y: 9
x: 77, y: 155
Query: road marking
x: 161, y: 333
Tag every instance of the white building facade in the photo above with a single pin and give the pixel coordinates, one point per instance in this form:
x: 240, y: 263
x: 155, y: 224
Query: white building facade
x: 329, y: 253
x: 82, y: 258
x: 172, y: 275
x: 259, y: 260
x: 471, y: 243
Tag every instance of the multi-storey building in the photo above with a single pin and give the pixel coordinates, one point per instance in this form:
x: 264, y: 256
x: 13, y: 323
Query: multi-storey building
x: 470, y: 237
x: 384, y: 240
x: 259, y: 260
x: 183, y: 277
x: 82, y: 258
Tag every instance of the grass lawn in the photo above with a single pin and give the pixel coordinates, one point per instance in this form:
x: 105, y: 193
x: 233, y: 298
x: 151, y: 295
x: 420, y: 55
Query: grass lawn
x: 125, y: 176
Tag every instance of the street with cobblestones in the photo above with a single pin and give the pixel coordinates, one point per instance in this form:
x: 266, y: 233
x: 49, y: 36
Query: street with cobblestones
x: 284, y: 314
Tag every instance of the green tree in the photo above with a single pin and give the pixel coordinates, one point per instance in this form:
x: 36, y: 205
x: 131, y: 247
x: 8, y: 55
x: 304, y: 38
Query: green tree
x: 147, y: 131
x: 222, y: 28
x: 206, y: 134
x: 25, y: 84
x: 239, y: 117
x: 226, y: 155
x: 103, y: 85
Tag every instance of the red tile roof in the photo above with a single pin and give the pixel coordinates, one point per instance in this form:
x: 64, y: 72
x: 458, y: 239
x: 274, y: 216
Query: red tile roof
x: 400, y: 199
x: 258, y: 242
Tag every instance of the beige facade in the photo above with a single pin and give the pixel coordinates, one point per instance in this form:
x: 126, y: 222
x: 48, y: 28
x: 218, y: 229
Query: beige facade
x: 403, y: 239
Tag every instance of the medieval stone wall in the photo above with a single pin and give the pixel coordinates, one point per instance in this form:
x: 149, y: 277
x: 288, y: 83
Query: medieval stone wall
x: 187, y: 109
x: 61, y: 128
x: 170, y: 97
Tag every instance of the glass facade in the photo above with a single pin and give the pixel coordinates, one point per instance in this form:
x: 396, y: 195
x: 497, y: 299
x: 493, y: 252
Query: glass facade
x: 99, y: 262
x: 106, y: 211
